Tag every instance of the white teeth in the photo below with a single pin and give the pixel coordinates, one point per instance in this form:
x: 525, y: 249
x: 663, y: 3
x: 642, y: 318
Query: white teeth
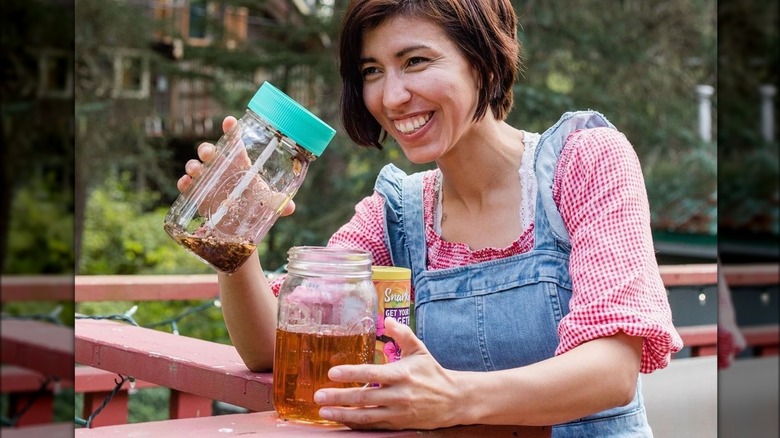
x: 407, y: 126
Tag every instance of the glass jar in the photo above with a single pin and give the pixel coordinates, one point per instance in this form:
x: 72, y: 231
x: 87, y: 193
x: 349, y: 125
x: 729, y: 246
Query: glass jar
x: 258, y: 167
x: 326, y: 317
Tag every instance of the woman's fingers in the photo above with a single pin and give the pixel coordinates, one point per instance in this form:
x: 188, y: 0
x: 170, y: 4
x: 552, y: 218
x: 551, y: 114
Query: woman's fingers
x: 228, y: 123
x: 206, y: 152
x: 359, y: 418
x: 193, y: 168
x: 289, y: 208
x: 184, y: 183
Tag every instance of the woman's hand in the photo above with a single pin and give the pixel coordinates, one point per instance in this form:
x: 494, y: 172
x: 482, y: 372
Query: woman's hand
x: 206, y: 153
x: 414, y: 393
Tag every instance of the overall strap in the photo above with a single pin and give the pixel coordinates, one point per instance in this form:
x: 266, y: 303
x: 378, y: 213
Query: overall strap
x: 548, y: 150
x: 404, y: 222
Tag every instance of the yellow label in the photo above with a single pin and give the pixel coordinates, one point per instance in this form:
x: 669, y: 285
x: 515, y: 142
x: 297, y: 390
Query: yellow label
x: 393, y: 287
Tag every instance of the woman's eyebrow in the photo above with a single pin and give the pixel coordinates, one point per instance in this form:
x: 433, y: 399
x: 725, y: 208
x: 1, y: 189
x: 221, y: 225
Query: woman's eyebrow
x: 407, y: 50
x: 399, y: 54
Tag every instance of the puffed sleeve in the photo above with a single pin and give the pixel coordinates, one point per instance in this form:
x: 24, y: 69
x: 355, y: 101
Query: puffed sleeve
x: 365, y: 230
x: 600, y: 192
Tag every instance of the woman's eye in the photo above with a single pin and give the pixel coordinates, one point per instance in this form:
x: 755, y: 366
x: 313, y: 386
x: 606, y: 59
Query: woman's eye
x: 368, y: 71
x: 416, y: 60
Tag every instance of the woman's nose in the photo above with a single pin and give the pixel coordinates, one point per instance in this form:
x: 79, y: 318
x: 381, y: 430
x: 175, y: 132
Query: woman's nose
x: 395, y: 92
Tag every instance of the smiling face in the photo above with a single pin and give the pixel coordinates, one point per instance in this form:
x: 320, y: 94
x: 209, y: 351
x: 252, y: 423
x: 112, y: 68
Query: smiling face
x: 418, y: 86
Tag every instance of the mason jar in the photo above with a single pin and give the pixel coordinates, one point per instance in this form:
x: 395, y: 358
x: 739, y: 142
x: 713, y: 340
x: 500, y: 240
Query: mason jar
x: 258, y: 167
x: 327, y: 307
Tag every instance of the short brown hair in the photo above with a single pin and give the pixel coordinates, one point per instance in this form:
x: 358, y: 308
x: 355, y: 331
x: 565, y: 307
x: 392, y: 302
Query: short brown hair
x: 485, y: 31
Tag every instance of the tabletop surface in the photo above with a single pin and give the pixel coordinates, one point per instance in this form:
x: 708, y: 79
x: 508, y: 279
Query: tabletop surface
x: 268, y: 424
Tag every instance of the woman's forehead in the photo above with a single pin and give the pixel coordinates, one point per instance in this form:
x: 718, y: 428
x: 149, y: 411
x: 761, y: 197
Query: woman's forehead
x: 399, y: 32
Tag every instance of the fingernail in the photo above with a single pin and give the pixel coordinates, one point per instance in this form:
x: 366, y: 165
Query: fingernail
x: 319, y: 397
x: 334, y: 373
x: 326, y: 413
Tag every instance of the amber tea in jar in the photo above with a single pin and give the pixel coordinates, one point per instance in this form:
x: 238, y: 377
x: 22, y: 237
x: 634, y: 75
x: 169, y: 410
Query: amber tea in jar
x: 327, y: 305
x: 258, y: 167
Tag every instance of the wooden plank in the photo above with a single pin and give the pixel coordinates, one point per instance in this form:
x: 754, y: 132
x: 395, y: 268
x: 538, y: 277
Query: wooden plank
x: 18, y: 379
x: 707, y: 274
x: 90, y: 379
x: 763, y: 339
x: 23, y: 386
x: 699, y: 335
x: 145, y: 287
x: 203, y: 368
x: 703, y: 339
x: 36, y: 288
x: 268, y: 424
x: 689, y: 275
x: 760, y: 335
x: 752, y: 275
x: 53, y: 430
x: 46, y: 348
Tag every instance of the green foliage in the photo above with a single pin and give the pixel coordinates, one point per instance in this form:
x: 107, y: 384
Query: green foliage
x: 143, y: 405
x: 148, y: 404
x: 40, y: 240
x: 749, y: 183
x: 682, y: 188
x: 195, y: 319
x: 749, y: 178
x: 124, y: 234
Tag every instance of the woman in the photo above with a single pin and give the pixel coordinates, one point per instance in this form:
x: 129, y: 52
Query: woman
x: 537, y: 295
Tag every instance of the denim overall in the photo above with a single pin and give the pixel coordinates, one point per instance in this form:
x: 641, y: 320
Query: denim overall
x: 502, y: 313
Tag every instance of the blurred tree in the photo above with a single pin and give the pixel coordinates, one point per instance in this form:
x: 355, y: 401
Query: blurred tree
x: 638, y: 63
x: 749, y: 178
x: 112, y: 50
x: 36, y: 100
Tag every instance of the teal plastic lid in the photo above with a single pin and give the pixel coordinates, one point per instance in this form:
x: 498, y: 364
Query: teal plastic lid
x: 291, y: 119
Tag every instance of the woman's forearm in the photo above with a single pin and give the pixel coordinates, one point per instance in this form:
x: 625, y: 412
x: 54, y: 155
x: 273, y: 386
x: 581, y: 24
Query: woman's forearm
x: 249, y: 310
x: 590, y: 378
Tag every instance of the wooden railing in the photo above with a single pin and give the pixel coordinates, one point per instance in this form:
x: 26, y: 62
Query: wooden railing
x: 702, y: 340
x: 37, y: 359
x: 199, y: 371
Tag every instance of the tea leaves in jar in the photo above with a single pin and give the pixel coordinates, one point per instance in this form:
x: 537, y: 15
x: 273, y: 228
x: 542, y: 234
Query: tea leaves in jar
x: 225, y: 255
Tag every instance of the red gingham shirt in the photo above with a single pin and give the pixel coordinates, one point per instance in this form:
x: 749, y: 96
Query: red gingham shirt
x: 600, y: 193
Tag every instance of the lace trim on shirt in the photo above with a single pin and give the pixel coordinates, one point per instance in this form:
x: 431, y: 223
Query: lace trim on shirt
x: 443, y: 254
